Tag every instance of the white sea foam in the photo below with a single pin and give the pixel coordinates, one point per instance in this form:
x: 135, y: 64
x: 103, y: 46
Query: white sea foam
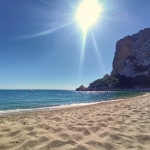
x: 45, y: 108
x: 53, y: 107
x: 75, y: 98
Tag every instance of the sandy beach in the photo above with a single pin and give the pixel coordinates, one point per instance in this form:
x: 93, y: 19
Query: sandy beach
x: 116, y: 125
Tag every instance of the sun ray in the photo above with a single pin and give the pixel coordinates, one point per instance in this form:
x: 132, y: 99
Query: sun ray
x: 98, y: 54
x: 87, y: 15
x: 45, y: 32
x: 82, y: 56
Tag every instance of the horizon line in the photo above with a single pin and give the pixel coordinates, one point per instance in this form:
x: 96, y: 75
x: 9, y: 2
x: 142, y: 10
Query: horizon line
x: 36, y: 89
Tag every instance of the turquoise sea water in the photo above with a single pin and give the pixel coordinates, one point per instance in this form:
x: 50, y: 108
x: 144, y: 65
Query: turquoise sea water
x: 19, y: 100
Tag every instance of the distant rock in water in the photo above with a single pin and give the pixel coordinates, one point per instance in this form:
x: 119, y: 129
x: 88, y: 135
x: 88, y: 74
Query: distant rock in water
x: 132, y: 57
x: 81, y: 88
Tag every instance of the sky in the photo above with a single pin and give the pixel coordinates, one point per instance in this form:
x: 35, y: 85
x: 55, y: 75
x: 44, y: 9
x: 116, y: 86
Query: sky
x: 42, y: 45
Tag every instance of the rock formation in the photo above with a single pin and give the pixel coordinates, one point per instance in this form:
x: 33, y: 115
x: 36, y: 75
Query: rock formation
x: 131, y: 65
x: 81, y: 88
x: 132, y: 57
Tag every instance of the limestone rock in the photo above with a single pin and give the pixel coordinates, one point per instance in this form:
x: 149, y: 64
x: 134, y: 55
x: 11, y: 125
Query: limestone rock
x: 132, y: 57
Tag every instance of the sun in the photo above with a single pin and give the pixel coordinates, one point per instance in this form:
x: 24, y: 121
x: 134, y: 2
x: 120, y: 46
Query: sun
x: 88, y: 13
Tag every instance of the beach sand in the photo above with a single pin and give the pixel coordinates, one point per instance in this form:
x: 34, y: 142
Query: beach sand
x: 116, y: 125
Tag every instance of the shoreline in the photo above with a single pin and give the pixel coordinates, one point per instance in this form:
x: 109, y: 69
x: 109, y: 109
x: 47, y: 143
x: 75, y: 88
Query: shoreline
x: 118, y: 124
x: 49, y: 108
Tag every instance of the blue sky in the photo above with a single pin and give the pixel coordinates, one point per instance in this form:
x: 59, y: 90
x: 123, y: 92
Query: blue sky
x: 41, y: 43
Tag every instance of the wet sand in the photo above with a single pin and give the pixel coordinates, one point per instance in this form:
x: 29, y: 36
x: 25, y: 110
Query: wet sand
x: 116, y: 125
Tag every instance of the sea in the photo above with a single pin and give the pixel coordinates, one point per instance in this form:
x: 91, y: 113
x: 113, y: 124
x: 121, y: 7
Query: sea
x: 27, y: 100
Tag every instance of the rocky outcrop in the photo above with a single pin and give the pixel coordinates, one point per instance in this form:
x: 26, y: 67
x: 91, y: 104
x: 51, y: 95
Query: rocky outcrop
x: 132, y: 57
x: 81, y: 88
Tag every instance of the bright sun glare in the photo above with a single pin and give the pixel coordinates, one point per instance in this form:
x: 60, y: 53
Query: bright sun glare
x: 88, y: 13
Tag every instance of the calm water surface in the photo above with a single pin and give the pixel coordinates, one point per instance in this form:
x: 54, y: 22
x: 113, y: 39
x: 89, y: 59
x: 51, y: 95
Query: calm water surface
x: 26, y: 99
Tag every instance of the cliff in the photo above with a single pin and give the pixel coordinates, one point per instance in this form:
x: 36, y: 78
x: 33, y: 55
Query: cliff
x: 132, y: 57
x: 131, y: 65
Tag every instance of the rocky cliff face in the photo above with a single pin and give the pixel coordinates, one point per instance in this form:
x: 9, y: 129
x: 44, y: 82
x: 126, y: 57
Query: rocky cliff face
x: 132, y: 57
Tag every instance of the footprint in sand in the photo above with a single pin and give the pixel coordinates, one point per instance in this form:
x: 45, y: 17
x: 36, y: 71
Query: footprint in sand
x: 79, y: 147
x: 59, y: 143
x: 43, y: 126
x: 65, y: 136
x: 100, y: 145
x: 15, y: 133
x: 6, y: 130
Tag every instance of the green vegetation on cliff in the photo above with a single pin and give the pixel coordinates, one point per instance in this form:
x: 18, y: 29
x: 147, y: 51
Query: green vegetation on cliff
x: 105, y: 83
x: 119, y: 82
